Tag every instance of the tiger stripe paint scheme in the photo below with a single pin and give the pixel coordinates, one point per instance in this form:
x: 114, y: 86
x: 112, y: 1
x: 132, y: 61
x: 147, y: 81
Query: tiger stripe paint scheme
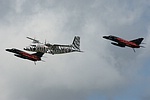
x: 56, y: 48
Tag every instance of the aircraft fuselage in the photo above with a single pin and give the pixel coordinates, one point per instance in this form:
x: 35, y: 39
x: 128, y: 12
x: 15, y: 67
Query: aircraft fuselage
x: 54, y: 49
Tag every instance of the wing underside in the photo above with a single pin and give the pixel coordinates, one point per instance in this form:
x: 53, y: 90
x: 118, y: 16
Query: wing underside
x: 39, y: 54
x: 118, y: 44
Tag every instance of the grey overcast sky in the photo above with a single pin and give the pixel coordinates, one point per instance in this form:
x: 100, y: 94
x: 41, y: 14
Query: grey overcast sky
x: 102, y: 72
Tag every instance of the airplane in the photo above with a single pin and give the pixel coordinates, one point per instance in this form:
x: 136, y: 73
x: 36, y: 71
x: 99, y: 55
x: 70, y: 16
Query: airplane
x: 21, y: 54
x: 122, y: 43
x: 55, y: 48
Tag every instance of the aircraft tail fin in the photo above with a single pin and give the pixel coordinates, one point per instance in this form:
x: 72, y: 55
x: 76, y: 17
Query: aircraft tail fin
x: 137, y: 41
x: 76, y: 43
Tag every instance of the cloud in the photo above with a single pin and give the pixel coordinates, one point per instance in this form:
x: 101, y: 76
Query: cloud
x: 102, y: 67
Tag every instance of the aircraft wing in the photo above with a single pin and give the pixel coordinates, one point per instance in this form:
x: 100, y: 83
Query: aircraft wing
x: 34, y: 40
x: 118, y: 44
x: 39, y: 54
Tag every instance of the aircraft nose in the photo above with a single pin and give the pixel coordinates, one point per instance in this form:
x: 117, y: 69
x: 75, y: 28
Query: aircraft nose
x: 106, y: 37
x: 7, y: 49
x: 10, y: 50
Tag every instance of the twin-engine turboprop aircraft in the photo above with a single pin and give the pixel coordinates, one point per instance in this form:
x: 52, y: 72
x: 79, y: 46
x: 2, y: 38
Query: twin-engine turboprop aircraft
x: 54, y: 49
x: 21, y: 54
x: 122, y: 43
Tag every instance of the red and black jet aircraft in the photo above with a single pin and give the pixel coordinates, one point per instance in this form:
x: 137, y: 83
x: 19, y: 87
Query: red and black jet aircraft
x: 122, y: 43
x: 21, y: 54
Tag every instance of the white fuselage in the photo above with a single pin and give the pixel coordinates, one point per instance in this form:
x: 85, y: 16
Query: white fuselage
x: 53, y: 49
